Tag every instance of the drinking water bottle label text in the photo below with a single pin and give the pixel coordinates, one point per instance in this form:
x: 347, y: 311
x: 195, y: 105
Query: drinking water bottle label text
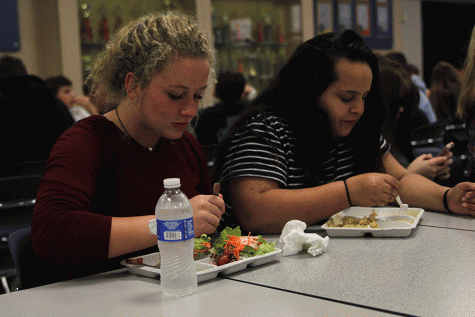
x: 175, y: 230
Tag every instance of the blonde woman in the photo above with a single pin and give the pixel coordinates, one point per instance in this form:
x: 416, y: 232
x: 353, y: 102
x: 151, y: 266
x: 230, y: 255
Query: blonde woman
x: 105, y: 175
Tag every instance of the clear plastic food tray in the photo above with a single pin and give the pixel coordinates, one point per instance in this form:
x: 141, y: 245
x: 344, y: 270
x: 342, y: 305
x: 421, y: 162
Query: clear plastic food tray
x: 204, y: 267
x: 388, y: 219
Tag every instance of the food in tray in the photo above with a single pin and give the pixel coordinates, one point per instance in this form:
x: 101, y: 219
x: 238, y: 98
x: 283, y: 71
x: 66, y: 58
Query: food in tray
x: 231, y: 246
x: 353, y: 222
x: 139, y: 261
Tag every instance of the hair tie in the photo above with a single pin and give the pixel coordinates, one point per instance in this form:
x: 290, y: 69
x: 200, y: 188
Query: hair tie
x: 446, y: 204
x: 347, y: 192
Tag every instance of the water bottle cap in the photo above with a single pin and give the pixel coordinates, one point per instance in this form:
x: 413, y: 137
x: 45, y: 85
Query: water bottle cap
x: 171, y: 182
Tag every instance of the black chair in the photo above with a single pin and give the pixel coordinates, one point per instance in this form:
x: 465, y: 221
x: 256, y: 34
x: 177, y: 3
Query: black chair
x: 18, y: 188
x: 32, y: 270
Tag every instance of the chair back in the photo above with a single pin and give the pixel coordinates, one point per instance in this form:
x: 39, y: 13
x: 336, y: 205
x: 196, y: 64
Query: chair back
x: 17, y: 200
x: 32, y: 270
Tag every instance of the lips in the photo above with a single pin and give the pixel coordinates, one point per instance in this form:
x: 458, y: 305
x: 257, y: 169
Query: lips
x: 180, y: 125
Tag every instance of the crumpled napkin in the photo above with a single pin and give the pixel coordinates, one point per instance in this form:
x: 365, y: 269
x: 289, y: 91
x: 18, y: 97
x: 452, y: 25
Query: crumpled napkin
x: 296, y: 240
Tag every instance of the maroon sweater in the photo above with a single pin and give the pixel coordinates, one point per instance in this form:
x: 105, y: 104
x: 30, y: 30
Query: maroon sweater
x: 94, y: 173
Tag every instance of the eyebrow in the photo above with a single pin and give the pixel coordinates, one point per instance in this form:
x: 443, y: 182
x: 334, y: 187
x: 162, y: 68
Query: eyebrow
x: 185, y: 87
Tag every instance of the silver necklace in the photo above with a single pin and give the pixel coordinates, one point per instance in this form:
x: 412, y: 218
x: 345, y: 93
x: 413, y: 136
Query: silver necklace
x: 127, y: 132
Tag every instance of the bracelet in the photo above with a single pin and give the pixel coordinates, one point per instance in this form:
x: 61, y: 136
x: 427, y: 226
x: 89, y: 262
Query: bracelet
x: 446, y: 204
x: 347, y: 192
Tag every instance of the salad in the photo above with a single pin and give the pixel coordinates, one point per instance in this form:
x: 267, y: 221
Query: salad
x: 230, y: 246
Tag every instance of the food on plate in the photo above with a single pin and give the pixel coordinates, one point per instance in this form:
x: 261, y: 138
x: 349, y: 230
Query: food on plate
x: 353, y: 222
x: 231, y: 246
x: 138, y: 260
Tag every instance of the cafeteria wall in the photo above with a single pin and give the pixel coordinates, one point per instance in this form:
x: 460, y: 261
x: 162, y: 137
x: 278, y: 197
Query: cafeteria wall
x: 50, y: 44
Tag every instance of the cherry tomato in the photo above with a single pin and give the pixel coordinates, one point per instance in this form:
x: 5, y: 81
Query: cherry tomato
x: 223, y: 259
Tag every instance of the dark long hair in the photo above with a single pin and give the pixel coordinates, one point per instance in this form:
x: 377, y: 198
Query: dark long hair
x: 294, y: 94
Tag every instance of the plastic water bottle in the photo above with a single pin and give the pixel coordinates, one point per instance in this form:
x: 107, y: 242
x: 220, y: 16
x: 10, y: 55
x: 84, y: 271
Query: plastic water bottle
x: 175, y: 233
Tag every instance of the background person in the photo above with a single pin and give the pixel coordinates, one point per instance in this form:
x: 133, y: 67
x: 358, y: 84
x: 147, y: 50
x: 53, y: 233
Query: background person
x: 105, y: 175
x: 424, y: 102
x: 213, y: 122
x: 400, y: 97
x: 80, y: 106
x: 32, y: 119
x: 444, y: 91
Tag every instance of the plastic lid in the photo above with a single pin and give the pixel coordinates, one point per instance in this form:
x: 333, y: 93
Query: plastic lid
x: 171, y: 182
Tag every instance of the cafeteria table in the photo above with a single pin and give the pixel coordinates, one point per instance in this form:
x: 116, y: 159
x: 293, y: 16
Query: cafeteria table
x: 429, y: 273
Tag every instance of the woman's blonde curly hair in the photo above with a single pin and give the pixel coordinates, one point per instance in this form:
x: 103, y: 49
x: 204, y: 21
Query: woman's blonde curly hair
x: 143, y: 47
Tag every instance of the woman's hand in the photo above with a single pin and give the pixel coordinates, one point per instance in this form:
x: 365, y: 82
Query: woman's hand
x: 207, y: 212
x: 372, y: 189
x: 461, y: 199
x: 432, y: 167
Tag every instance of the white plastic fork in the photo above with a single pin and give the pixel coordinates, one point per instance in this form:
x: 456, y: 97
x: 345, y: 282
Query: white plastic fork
x: 403, y: 207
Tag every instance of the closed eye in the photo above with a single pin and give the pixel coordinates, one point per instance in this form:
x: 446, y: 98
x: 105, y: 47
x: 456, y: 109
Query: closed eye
x: 347, y: 99
x: 176, y: 97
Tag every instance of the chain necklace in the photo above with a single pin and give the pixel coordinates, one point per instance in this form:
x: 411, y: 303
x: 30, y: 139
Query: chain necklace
x: 127, y: 132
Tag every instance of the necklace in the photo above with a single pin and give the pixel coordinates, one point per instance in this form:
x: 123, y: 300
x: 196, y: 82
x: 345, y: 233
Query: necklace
x: 127, y: 132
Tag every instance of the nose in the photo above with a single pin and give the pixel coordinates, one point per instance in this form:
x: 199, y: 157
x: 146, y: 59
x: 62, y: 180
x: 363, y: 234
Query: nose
x: 358, y: 106
x: 190, y: 109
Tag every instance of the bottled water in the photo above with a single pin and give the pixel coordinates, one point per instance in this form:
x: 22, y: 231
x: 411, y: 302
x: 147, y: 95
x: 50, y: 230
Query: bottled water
x: 175, y: 233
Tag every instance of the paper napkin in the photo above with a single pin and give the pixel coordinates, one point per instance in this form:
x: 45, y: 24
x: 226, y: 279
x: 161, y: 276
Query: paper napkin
x: 296, y: 240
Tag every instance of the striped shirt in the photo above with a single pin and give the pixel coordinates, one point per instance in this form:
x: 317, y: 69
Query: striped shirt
x: 263, y: 147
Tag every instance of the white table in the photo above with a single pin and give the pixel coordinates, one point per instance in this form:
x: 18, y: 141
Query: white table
x: 119, y: 293
x: 430, y: 273
x: 437, y: 219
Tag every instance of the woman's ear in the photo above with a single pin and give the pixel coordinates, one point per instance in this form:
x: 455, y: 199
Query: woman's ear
x: 131, y: 86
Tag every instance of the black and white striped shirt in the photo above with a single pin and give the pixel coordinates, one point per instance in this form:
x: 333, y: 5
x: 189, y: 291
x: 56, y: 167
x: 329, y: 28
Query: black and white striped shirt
x: 264, y: 148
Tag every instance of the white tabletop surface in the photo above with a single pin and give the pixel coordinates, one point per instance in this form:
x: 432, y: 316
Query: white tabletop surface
x: 437, y: 219
x: 119, y: 293
x: 429, y: 273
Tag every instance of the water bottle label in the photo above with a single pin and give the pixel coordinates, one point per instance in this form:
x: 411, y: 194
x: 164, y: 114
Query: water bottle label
x: 175, y: 230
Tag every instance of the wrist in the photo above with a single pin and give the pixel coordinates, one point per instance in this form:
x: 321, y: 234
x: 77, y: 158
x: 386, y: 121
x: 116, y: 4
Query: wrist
x: 446, y: 203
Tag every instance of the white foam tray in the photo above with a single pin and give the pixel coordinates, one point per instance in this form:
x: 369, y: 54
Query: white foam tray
x: 386, y: 228
x: 204, y: 267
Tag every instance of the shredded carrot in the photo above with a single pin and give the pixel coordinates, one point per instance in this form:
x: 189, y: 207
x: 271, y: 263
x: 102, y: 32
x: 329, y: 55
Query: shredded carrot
x: 238, y: 243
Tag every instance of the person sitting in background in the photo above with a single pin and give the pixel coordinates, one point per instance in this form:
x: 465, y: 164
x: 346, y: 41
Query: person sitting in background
x: 105, y: 174
x: 466, y: 104
x: 444, y: 91
x: 424, y: 102
x: 214, y: 122
x: 32, y: 119
x: 11, y: 66
x: 310, y: 145
x: 400, y: 97
x: 80, y: 106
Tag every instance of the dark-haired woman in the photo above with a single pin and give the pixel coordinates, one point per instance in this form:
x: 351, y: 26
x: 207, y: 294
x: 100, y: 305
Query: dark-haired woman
x: 310, y: 145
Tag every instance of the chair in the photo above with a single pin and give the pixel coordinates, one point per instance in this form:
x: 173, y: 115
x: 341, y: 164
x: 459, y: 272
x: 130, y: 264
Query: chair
x: 17, y: 199
x: 32, y: 270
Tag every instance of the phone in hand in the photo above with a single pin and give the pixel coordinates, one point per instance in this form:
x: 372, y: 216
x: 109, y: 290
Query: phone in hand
x: 446, y: 149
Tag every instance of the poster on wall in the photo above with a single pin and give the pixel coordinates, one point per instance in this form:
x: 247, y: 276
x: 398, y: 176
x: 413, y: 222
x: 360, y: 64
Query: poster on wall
x: 324, y: 17
x: 383, y: 16
x: 363, y: 24
x: 344, y: 14
x: 9, y: 32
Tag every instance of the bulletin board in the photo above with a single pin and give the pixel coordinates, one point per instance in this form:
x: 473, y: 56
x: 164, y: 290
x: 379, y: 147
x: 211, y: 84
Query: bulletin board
x: 372, y: 19
x: 9, y: 29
